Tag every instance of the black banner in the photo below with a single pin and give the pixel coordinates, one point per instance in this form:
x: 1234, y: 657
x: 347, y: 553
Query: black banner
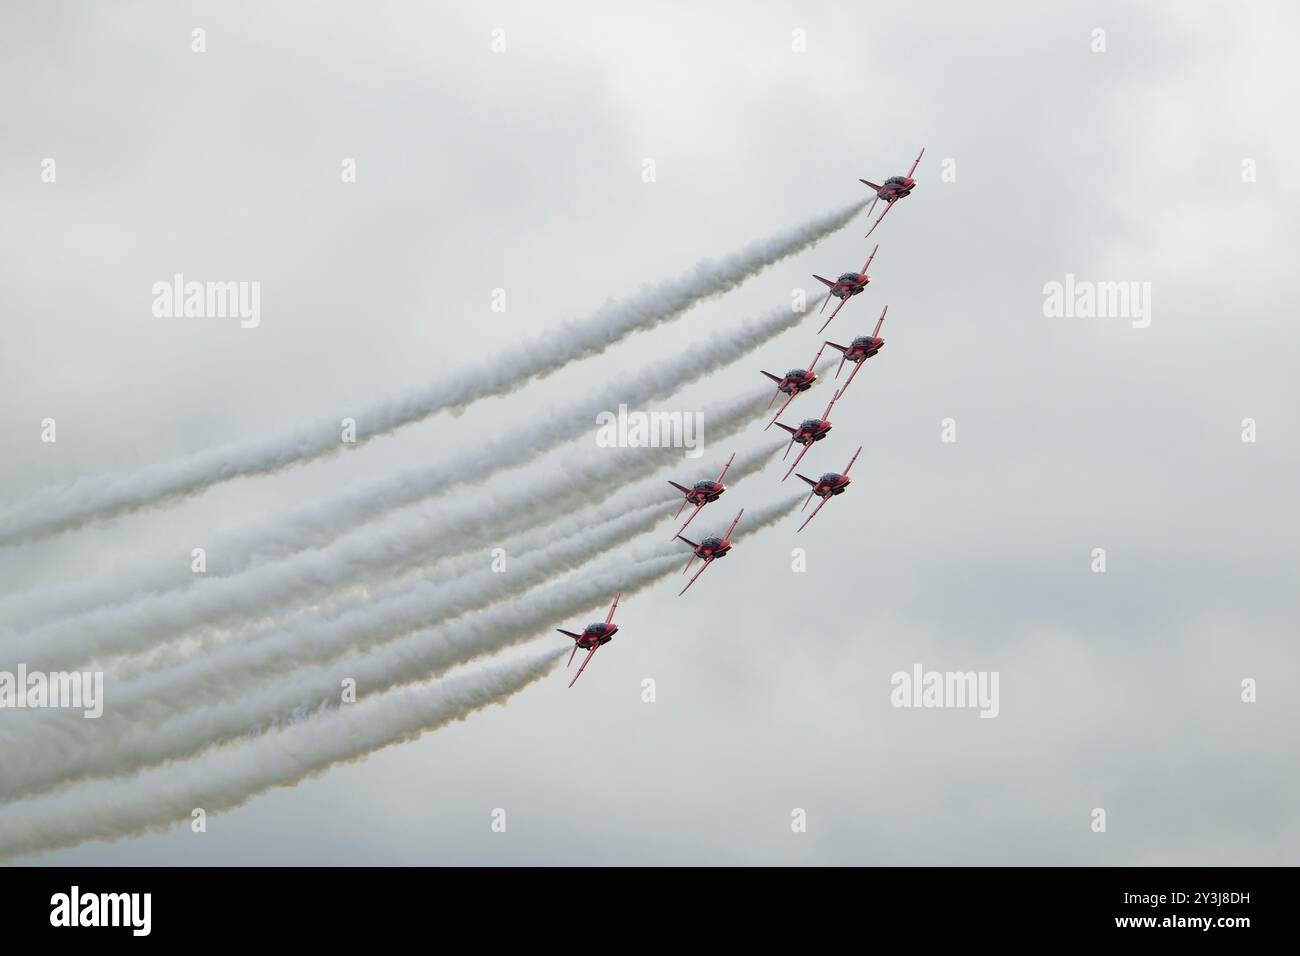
x: 336, y: 905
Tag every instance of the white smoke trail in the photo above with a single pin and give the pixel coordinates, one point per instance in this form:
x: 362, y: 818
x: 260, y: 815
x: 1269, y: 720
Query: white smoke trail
x: 389, y: 546
x: 315, y: 526
x: 57, y: 749
x: 536, y: 553
x: 529, y: 512
x: 148, y: 731
x: 402, y: 608
x: 229, y: 778
x: 108, y: 496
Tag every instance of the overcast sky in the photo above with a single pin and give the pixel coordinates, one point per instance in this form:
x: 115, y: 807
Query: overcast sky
x: 1167, y: 159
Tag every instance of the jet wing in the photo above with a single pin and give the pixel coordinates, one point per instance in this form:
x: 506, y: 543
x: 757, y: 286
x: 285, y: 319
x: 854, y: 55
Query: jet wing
x: 870, y: 257
x: 833, y: 314
x: 576, y: 638
x: 917, y: 163
x: 694, y: 547
x: 842, y: 349
x: 703, y: 568
x: 821, y: 504
x: 811, y: 491
x: 812, y: 367
x: 685, y: 501
x: 889, y: 204
x: 784, y: 405
x: 849, y: 381
x: 852, y: 460
x: 834, y: 398
x: 803, y: 451
x: 583, y: 665
x: 879, y: 322
x: 725, y: 467
x: 698, y: 509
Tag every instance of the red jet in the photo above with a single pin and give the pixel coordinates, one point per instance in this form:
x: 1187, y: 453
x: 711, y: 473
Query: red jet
x: 863, y: 347
x: 710, y: 549
x: 845, y: 287
x: 810, y: 430
x: 795, y: 381
x: 701, y: 493
x: 827, y: 487
x: 591, y: 639
x: 894, y: 189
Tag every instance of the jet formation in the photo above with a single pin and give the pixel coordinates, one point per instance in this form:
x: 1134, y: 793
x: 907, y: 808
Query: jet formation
x: 809, y: 431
